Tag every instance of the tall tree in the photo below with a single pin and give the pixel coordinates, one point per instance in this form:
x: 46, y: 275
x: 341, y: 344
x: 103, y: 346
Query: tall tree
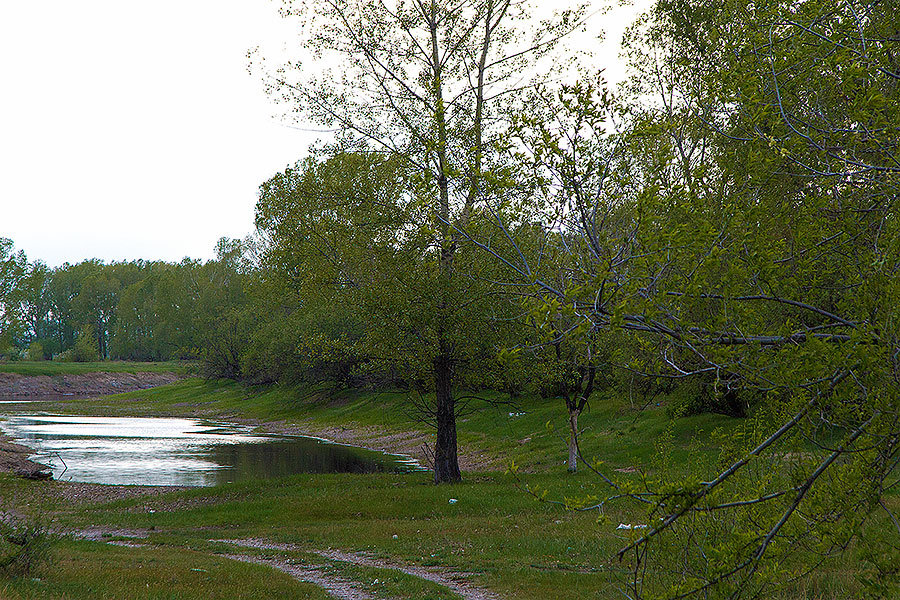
x: 422, y: 81
x: 36, y: 306
x: 13, y: 266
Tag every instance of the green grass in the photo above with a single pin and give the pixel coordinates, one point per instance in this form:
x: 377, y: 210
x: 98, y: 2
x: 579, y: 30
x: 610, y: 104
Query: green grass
x: 46, y: 367
x: 94, y: 570
x: 515, y: 545
x: 530, y: 431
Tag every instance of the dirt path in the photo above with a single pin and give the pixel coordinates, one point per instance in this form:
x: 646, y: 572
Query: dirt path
x: 338, y: 587
x: 455, y: 582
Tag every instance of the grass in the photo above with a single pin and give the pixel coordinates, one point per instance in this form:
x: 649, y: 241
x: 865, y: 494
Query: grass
x: 46, y: 367
x: 518, y: 547
x: 530, y: 431
x: 514, y: 545
x: 92, y: 570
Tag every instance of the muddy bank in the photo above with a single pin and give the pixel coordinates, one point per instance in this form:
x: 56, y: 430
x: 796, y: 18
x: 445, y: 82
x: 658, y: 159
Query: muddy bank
x: 86, y: 385
x: 14, y: 459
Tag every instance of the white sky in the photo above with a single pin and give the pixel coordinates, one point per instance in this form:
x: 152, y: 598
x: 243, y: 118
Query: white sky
x: 133, y: 129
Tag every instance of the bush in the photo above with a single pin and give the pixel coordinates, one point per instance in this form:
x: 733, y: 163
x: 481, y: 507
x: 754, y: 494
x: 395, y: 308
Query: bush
x: 65, y: 356
x: 23, y: 548
x: 85, y: 349
x: 36, y: 351
x: 705, y: 394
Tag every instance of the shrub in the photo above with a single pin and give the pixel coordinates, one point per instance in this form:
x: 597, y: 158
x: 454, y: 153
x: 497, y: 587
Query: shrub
x: 85, y: 349
x: 23, y: 547
x: 36, y: 351
x: 65, y: 356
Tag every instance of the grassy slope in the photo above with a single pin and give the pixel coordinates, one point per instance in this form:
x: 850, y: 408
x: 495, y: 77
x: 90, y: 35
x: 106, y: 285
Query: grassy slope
x: 33, y: 368
x: 517, y: 546
x: 615, y: 431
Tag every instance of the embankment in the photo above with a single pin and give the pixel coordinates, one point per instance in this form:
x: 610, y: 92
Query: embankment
x: 85, y: 385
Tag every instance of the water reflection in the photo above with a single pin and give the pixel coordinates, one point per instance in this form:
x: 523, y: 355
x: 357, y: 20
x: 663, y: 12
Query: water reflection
x: 163, y: 451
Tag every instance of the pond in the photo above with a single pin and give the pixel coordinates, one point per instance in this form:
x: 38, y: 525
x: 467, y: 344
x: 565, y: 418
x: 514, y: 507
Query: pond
x: 190, y: 452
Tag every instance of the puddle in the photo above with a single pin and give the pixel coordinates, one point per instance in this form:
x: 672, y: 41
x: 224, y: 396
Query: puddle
x: 189, y: 452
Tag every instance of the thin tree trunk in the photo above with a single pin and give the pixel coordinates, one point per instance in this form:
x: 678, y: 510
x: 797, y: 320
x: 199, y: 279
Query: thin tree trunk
x: 446, y: 464
x: 573, y: 439
x: 575, y: 406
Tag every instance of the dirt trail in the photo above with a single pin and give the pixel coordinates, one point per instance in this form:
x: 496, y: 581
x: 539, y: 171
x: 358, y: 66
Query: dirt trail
x: 340, y: 588
x: 455, y: 582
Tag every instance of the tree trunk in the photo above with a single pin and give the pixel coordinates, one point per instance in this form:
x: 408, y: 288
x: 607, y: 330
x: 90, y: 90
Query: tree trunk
x: 573, y: 439
x: 446, y: 464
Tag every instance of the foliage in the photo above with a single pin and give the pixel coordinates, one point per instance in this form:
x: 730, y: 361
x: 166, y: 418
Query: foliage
x: 140, y: 310
x: 12, y: 269
x: 355, y: 269
x: 36, y: 351
x: 85, y: 349
x: 740, y: 228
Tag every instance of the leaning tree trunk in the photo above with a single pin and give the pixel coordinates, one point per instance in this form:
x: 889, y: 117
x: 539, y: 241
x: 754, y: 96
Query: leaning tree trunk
x: 573, y: 439
x: 576, y: 404
x: 446, y: 464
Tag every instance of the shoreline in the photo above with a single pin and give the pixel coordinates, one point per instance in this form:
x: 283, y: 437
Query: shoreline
x: 14, y: 458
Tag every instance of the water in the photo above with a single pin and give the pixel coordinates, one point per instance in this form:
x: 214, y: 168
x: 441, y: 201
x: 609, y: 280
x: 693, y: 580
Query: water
x: 191, y: 452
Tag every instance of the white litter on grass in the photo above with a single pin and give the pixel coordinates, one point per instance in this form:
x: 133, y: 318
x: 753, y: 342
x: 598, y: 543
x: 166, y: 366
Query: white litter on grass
x: 517, y: 414
x: 453, y: 500
x: 630, y: 526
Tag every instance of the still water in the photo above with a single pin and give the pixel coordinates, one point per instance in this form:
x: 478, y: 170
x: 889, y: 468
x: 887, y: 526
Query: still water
x: 163, y: 451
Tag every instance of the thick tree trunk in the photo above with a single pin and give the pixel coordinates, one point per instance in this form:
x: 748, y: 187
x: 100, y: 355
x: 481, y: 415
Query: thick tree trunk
x: 573, y: 439
x: 446, y: 464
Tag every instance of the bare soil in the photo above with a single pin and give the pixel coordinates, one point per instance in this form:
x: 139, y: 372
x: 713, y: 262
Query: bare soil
x: 336, y: 587
x: 455, y: 581
x: 14, y: 459
x: 86, y: 385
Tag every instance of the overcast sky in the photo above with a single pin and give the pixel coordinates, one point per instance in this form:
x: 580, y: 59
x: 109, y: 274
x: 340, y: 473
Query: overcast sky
x: 133, y: 129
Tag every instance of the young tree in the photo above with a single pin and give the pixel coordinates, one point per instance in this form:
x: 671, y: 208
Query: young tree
x: 763, y: 248
x: 422, y: 81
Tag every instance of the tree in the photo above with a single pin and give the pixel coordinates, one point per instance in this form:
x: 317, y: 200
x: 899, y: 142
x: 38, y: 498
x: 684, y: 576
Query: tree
x: 423, y: 82
x: 221, y: 318
x: 13, y: 266
x: 761, y: 246
x: 359, y: 272
x: 85, y: 349
x: 36, y: 305
x: 96, y: 304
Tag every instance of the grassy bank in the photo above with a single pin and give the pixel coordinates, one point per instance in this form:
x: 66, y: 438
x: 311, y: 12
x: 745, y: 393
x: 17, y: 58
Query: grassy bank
x: 494, y: 433
x: 510, y: 543
x: 46, y: 367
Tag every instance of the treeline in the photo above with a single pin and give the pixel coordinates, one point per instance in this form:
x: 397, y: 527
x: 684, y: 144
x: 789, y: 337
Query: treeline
x: 138, y: 310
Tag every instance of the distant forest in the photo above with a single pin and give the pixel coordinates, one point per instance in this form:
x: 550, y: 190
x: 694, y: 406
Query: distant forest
x: 139, y: 310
